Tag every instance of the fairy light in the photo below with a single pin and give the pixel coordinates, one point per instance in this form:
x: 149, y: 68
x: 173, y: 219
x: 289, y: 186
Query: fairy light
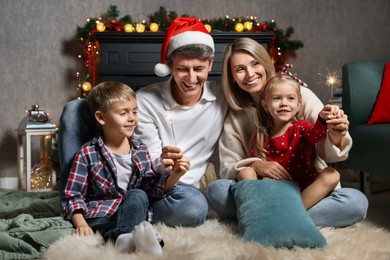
x: 279, y: 52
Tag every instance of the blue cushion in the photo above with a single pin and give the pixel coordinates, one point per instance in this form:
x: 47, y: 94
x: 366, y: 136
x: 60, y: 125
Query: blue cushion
x: 271, y: 212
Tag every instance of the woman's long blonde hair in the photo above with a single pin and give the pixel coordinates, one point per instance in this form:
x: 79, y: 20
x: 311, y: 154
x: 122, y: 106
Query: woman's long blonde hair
x: 238, y: 98
x: 264, y: 121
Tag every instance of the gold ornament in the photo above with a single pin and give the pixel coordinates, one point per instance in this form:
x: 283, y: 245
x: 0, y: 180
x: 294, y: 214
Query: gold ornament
x: 153, y: 27
x: 239, y: 27
x: 248, y: 25
x: 208, y: 27
x: 86, y: 86
x: 100, y: 27
x: 129, y: 28
x: 140, y: 28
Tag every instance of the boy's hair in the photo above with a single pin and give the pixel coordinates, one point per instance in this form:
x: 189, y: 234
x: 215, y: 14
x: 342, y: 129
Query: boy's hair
x: 200, y: 51
x: 264, y: 120
x: 104, y: 94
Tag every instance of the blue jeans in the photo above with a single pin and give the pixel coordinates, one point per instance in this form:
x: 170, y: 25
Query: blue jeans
x: 343, y: 207
x: 182, y: 206
x: 132, y: 211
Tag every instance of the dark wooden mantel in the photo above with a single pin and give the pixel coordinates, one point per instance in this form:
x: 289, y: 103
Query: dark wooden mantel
x: 131, y: 57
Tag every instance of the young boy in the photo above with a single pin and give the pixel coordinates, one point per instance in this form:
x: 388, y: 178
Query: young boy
x: 112, y: 177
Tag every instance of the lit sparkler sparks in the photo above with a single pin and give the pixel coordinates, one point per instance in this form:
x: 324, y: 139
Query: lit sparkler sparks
x: 332, y: 80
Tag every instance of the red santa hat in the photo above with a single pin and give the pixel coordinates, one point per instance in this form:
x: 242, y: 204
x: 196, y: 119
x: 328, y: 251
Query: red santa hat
x: 183, y: 31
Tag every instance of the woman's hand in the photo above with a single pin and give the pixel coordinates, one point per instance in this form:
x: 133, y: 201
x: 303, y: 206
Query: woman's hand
x: 271, y: 170
x: 338, y: 128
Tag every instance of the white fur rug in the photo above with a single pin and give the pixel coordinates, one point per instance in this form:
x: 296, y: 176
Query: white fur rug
x: 215, y: 240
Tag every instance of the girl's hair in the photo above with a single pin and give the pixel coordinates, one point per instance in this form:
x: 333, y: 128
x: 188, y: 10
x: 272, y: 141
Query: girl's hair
x: 264, y: 120
x: 238, y: 98
x: 101, y: 97
x: 200, y: 51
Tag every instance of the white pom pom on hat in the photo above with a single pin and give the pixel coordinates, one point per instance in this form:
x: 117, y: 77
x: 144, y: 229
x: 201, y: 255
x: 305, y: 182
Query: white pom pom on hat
x: 182, y: 31
x: 161, y: 70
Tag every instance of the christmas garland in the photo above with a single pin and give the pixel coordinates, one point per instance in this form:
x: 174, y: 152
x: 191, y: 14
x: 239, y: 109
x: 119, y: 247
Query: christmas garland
x: 280, y: 48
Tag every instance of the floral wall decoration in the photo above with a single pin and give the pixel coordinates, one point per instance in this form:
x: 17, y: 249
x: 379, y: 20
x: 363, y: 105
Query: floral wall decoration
x: 280, y: 48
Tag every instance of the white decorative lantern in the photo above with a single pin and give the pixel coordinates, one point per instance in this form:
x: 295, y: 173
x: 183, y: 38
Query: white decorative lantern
x: 35, y: 173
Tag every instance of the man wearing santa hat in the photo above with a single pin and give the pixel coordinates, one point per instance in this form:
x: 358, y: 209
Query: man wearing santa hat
x: 183, y: 116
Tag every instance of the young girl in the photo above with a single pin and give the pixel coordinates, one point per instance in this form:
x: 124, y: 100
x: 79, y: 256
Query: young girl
x: 284, y: 138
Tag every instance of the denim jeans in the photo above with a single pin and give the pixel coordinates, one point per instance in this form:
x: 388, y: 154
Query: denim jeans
x: 132, y: 211
x: 182, y: 206
x: 343, y: 207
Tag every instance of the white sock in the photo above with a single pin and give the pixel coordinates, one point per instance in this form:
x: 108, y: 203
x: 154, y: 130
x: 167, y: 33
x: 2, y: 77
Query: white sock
x: 125, y: 243
x: 146, y: 239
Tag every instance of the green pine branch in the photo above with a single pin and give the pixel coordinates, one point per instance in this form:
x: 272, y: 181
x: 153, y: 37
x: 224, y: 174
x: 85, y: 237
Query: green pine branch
x: 112, y: 12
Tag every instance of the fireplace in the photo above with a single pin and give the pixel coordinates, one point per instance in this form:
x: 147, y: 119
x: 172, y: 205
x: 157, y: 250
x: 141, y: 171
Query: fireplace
x: 130, y: 57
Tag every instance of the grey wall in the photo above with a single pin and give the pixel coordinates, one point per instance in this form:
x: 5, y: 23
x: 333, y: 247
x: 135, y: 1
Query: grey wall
x: 38, y: 55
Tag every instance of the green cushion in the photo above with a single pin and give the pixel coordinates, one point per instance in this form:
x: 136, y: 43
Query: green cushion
x: 271, y: 212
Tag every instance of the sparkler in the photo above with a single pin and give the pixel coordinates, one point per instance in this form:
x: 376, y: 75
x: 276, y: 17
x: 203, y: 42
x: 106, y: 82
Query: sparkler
x: 170, y: 119
x: 332, y: 80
